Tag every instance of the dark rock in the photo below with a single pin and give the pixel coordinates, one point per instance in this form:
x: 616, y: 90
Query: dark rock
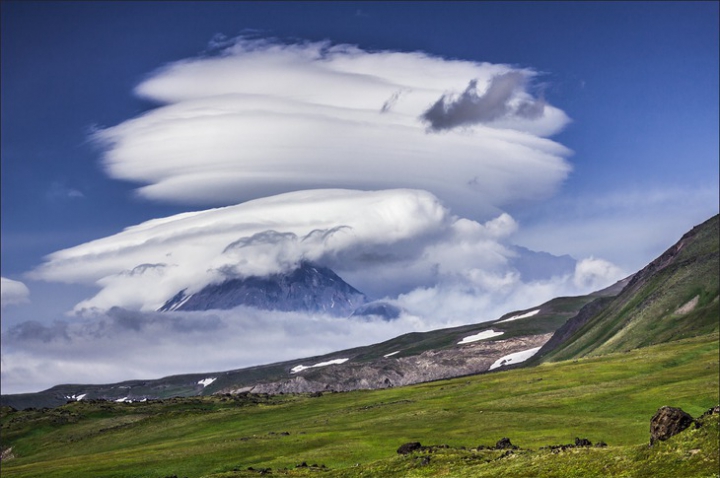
x: 409, y: 448
x: 711, y: 411
x: 600, y: 444
x: 579, y: 442
x: 504, y: 444
x: 302, y: 465
x: 668, y: 421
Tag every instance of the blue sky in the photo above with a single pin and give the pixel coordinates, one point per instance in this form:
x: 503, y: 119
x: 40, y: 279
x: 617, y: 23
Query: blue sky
x: 634, y: 87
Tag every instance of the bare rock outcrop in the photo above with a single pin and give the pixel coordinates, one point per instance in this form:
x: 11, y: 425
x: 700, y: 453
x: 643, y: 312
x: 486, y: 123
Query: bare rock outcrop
x: 667, y: 422
x: 396, y: 372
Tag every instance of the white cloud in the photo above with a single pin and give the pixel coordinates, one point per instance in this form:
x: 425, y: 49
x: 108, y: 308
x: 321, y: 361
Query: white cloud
x: 264, y: 118
x: 595, y: 273
x: 385, y: 243
x: 59, y: 191
x: 628, y: 227
x: 13, y: 292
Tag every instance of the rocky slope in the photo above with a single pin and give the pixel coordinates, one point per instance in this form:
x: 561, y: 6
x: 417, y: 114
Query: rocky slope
x: 389, y: 371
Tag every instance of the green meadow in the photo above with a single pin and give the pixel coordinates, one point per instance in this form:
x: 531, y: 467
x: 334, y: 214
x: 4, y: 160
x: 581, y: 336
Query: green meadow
x: 608, y: 398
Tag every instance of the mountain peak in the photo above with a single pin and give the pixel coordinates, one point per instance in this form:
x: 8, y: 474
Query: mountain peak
x: 307, y: 288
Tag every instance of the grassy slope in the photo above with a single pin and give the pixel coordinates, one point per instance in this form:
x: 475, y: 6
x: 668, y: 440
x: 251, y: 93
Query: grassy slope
x: 645, y: 312
x: 609, y: 398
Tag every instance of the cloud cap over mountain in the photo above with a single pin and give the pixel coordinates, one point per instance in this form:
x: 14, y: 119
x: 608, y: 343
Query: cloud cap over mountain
x: 401, y: 243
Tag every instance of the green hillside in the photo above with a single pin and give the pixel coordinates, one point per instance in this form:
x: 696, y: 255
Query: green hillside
x: 674, y: 297
x: 608, y: 398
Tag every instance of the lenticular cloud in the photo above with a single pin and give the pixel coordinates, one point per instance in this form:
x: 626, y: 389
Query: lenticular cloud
x: 144, y: 265
x: 262, y: 118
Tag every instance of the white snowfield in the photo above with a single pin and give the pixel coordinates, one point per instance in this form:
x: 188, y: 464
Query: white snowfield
x: 391, y: 354
x: 521, y: 316
x: 485, y: 334
x: 516, y: 357
x: 300, y: 368
x: 207, y: 381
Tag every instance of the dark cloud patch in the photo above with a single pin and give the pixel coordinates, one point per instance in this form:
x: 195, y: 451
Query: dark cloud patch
x: 143, y: 268
x: 130, y: 320
x: 115, y: 323
x: 471, y: 108
x: 264, y: 237
x: 388, y: 105
x: 33, y: 331
x: 324, y: 234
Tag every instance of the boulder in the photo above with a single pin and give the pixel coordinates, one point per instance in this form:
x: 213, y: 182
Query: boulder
x: 409, y: 448
x: 668, y: 421
x: 579, y: 442
x: 504, y: 444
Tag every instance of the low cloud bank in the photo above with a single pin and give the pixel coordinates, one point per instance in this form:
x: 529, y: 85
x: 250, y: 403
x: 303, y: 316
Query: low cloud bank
x: 120, y: 344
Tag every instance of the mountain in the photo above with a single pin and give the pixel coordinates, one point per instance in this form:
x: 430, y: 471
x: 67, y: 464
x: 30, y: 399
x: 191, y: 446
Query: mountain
x: 673, y: 297
x: 308, y: 288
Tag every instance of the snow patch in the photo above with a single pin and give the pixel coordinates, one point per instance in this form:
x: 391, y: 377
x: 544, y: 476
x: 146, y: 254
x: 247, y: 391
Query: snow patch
x: 124, y: 399
x: 207, y: 381
x: 300, y: 368
x: 391, y: 354
x: 516, y: 357
x: 521, y: 316
x: 485, y: 334
x: 77, y: 397
x: 181, y: 303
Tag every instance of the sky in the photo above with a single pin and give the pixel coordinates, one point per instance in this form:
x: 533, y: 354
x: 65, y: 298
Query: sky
x: 458, y: 159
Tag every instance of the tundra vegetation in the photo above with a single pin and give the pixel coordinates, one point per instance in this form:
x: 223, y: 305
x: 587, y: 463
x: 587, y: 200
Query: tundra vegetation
x: 608, y: 398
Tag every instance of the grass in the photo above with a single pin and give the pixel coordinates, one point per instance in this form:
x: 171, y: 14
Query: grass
x: 609, y: 398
